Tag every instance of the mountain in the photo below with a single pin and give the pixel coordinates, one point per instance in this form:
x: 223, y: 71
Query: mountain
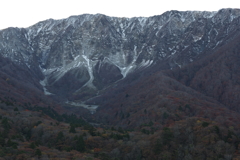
x: 74, y: 58
x: 170, y: 80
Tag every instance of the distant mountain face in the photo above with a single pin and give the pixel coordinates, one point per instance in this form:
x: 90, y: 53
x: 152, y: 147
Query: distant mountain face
x: 78, y: 57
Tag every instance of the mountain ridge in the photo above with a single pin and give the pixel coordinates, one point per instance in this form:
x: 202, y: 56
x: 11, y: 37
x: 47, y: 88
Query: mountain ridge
x: 86, y: 47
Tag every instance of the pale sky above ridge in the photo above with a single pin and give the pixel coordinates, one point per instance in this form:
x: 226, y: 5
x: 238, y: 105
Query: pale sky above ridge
x: 24, y: 13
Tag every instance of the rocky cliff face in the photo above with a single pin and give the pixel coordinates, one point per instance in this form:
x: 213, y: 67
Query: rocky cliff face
x: 82, y: 55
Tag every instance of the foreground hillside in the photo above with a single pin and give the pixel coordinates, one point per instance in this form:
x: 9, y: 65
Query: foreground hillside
x: 41, y: 133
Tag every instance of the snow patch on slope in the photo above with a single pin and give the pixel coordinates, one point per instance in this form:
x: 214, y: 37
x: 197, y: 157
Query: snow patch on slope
x: 44, y: 83
x: 91, y: 108
x: 197, y: 38
x: 89, y: 65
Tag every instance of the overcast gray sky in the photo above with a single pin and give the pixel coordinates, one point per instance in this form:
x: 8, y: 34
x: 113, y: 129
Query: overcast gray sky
x: 24, y: 13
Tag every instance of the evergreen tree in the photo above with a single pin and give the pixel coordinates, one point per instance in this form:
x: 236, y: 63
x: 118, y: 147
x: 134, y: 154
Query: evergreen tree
x: 32, y: 145
x: 80, y: 144
x: 60, y: 136
x: 2, y: 140
x: 72, y: 129
x: 38, y: 153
